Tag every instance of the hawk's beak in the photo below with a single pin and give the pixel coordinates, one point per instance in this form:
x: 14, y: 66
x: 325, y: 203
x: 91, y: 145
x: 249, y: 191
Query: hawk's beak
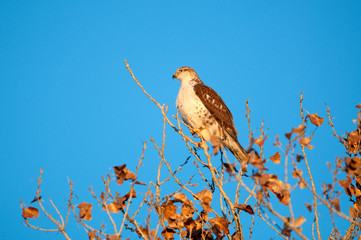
x: 174, y: 76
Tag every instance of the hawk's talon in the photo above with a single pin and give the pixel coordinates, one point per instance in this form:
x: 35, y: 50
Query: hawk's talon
x: 202, y: 145
x: 196, y: 130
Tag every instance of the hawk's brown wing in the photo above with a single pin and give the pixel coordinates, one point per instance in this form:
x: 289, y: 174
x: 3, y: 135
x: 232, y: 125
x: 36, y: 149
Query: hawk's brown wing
x: 215, y: 105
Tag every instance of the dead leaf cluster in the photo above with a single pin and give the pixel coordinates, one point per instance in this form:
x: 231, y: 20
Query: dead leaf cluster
x: 85, y: 211
x: 122, y: 173
x: 354, y: 141
x: 270, y: 182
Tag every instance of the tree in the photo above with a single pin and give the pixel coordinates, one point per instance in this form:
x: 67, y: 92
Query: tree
x: 212, y: 207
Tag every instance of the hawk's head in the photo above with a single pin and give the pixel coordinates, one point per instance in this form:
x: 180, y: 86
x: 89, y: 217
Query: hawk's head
x: 185, y: 74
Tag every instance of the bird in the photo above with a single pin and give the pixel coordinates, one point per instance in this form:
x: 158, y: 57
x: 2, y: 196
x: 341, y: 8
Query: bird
x: 205, y: 113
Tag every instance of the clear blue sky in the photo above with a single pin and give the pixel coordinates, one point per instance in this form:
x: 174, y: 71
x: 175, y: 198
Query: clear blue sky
x: 68, y: 104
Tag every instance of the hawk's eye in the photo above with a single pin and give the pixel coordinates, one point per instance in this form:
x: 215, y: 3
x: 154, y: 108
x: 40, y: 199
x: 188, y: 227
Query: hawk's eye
x: 180, y: 70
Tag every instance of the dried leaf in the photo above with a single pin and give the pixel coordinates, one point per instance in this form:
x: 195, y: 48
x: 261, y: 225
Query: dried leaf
x: 284, y: 197
x: 170, y: 211
x: 203, y: 217
x: 286, y: 230
x: 131, y: 194
x: 326, y: 188
x: 93, y: 235
x: 353, y: 212
x: 336, y: 204
x: 168, y: 233
x: 187, y: 210
x: 219, y: 225
x: 299, y: 157
x: 274, y: 187
x: 260, y: 141
x: 230, y: 168
x: 276, y: 158
x: 114, y: 207
x: 140, y: 183
x: 315, y: 119
x: 354, y: 191
x: 256, y: 161
x: 297, y: 174
x: 245, y: 207
x: 122, y: 173
x: 205, y: 196
x: 299, y: 129
x: 305, y: 141
x: 345, y: 182
x: 288, y: 135
x: 30, y: 212
x: 353, y: 166
x: 195, y: 227
x: 181, y: 197
x: 236, y: 236
x: 309, y: 207
x: 103, y: 196
x: 144, y: 231
x: 85, y: 211
x: 358, y: 105
x: 303, y: 184
x: 113, y: 237
x: 36, y: 199
x: 354, y: 141
x: 299, y: 221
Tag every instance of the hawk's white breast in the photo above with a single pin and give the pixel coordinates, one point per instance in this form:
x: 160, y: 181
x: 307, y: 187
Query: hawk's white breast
x: 194, y: 113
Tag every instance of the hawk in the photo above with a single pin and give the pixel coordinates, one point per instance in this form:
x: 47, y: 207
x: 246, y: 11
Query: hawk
x: 204, y: 111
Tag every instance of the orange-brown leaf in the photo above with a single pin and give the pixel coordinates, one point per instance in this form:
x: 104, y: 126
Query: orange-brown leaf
x: 187, y: 210
x: 345, y: 182
x: 168, y: 233
x: 114, y: 207
x: 30, y: 212
x: 113, y: 237
x: 260, y: 141
x: 299, y: 221
x: 354, y: 141
x: 299, y: 129
x: 131, y: 194
x: 358, y: 105
x: 297, y: 173
x: 85, y: 211
x: 309, y: 207
x: 276, y: 158
x: 230, y: 168
x: 219, y: 225
x: 288, y: 135
x: 336, y: 203
x: 284, y: 197
x: 315, y: 119
x: 140, y: 183
x: 305, y: 141
x: 181, y: 197
x: 205, y: 196
x: 122, y: 173
x: 245, y: 207
x: 170, y: 211
x: 353, y: 212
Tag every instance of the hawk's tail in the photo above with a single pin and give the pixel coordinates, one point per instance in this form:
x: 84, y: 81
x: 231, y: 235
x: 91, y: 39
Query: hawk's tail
x: 236, y: 149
